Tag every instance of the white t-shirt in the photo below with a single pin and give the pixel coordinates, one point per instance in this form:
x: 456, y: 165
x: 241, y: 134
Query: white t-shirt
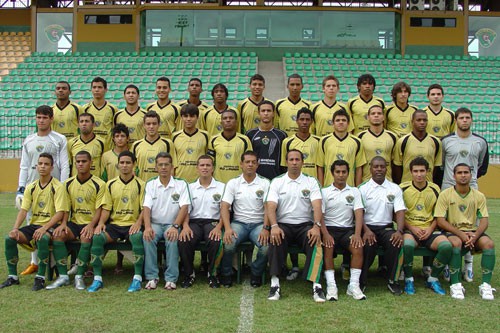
x: 339, y: 205
x: 206, y: 201
x: 381, y: 202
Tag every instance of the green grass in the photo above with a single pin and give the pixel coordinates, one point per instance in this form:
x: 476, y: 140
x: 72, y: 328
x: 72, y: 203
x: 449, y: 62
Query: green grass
x: 200, y: 309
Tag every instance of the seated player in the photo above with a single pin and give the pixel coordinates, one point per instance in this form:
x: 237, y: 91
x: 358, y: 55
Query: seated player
x: 45, y: 197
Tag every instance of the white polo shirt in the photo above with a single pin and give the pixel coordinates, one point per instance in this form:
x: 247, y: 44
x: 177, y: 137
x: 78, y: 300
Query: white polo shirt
x: 247, y: 198
x: 206, y: 201
x: 294, y: 197
x: 166, y: 201
x: 339, y: 205
x: 381, y: 201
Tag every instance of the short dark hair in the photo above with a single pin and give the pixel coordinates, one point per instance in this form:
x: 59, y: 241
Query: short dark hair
x: 221, y: 86
x: 435, y: 86
x: 342, y: 112
x: 64, y: 82
x: 294, y: 76
x: 417, y: 111
x: 152, y: 114
x: 378, y: 158
x: 266, y: 102
x: 163, y: 78
x: 204, y: 157
x: 366, y: 78
x: 88, y: 115
x: 304, y: 110
x: 230, y: 111
x: 129, y: 154
x: 419, y: 161
x: 101, y: 80
x: 197, y: 80
x: 294, y: 150
x: 84, y: 153
x: 249, y: 153
x: 131, y: 86
x: 45, y: 110
x: 190, y: 109
x: 398, y: 87
x: 461, y: 165
x: 328, y: 78
x: 462, y: 110
x: 376, y: 106
x: 47, y: 155
x: 120, y: 128
x: 339, y: 163
x: 257, y: 77
x: 163, y: 154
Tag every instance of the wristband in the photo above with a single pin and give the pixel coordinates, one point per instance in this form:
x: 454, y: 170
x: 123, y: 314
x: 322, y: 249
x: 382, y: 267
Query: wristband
x: 274, y: 225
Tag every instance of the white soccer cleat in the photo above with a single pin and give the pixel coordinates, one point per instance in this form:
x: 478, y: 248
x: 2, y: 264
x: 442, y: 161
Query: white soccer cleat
x: 457, y: 291
x: 274, y: 293
x: 486, y: 291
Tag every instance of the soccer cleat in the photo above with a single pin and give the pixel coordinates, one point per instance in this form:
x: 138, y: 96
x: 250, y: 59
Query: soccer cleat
x: 73, y: 270
x: 213, y: 282
x: 446, y: 273
x: 274, y: 293
x: 318, y: 295
x: 255, y: 281
x: 152, y: 284
x: 188, y: 281
x: 409, y: 287
x: 79, y: 283
x: 436, y: 287
x: 332, y: 293
x: 486, y: 291
x: 355, y: 291
x: 59, y: 282
x: 32, y: 268
x: 226, y: 281
x: 293, y: 274
x: 468, y: 275
x: 426, y: 271
x: 95, y: 286
x: 344, y: 270
x: 394, y: 288
x: 134, y: 286
x: 39, y: 284
x: 457, y: 291
x: 169, y: 285
x: 9, y: 282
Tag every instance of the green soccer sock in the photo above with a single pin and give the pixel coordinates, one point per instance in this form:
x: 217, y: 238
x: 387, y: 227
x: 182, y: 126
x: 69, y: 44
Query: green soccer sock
x: 83, y: 258
x: 97, y: 253
x: 409, y: 249
x: 138, y: 249
x: 442, y: 258
x: 61, y: 256
x: 11, y: 255
x: 488, y: 264
x: 43, y: 254
x: 455, y: 262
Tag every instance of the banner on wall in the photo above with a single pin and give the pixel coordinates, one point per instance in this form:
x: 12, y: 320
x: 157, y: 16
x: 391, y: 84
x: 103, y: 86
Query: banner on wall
x: 54, y: 33
x: 486, y: 37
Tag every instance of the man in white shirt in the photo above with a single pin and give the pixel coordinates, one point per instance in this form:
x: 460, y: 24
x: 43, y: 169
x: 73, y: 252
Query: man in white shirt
x: 294, y: 213
x: 382, y: 200
x: 203, y: 223
x: 245, y: 194
x: 166, y: 203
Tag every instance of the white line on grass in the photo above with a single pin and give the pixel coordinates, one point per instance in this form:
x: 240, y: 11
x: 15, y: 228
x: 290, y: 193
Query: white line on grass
x: 246, y: 308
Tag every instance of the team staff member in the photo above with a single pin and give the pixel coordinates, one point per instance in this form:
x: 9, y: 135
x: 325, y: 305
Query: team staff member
x: 165, y: 108
x: 65, y: 111
x: 286, y: 108
x: 398, y: 115
x: 132, y: 115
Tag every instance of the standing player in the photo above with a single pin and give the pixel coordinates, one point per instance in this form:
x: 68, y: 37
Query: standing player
x: 441, y: 120
x: 65, y: 112
x: 420, y: 198
x: 195, y: 88
x: 119, y: 220
x: 286, y: 108
x: 210, y: 119
x: 343, y: 216
x: 203, y: 223
x: 323, y: 111
x: 102, y: 110
x: 303, y: 141
x: 359, y: 105
x: 166, y: 203
x: 132, y: 115
x: 249, y: 107
x: 88, y: 141
x: 415, y: 144
x: 43, y: 141
x: 266, y: 142
x: 146, y: 149
x: 377, y: 141
x: 457, y: 210
x: 166, y: 109
x: 85, y: 194
x: 398, y: 115
x: 189, y: 143
x: 293, y: 203
x: 46, y: 200
x: 340, y: 145
x: 109, y: 160
x: 226, y: 148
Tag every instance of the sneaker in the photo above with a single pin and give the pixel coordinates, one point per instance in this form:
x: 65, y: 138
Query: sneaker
x: 446, y: 273
x: 426, y: 271
x: 73, y: 269
x: 293, y: 274
x: 468, y: 275
x: 59, y: 282
x: 188, y: 281
x: 457, y: 291
x: 332, y: 293
x: 213, y: 282
x: 401, y: 276
x: 346, y: 274
x: 255, y: 281
x: 486, y: 291
x: 9, y: 282
x: 95, y: 286
x: 226, y: 281
x: 32, y: 268
x: 134, y: 286
x: 436, y: 287
x: 355, y: 291
x: 409, y: 287
x: 39, y: 284
x: 394, y: 288
x: 169, y: 285
x: 319, y: 295
x: 152, y: 284
x: 79, y: 283
x: 274, y: 293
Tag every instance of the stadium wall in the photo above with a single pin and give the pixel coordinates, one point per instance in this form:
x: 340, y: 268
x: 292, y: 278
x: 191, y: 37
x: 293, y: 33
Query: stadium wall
x: 15, y: 20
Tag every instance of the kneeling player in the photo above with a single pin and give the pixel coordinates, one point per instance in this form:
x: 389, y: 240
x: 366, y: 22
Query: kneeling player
x: 343, y: 215
x: 457, y: 210
x: 420, y: 198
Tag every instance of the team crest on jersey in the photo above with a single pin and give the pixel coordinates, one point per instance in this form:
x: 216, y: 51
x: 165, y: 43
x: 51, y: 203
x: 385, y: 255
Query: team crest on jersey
x: 190, y: 151
x: 265, y: 140
x: 131, y: 130
x: 464, y: 153
x: 306, y: 193
x: 259, y: 194
x: 216, y: 197
x: 378, y: 151
x: 175, y: 197
x: 256, y: 121
x: 294, y: 117
x: 340, y: 156
x: 79, y: 199
x: 419, y: 207
x: 330, y: 122
x: 39, y: 149
x: 390, y: 197
x: 366, y: 116
x: 486, y: 37
x: 305, y: 155
x: 228, y: 156
x: 403, y: 125
x: 61, y: 124
x: 97, y: 123
x: 151, y: 159
x: 462, y: 208
x: 54, y: 33
x: 41, y: 204
x: 219, y: 128
x: 435, y: 129
x: 124, y: 200
x: 349, y: 199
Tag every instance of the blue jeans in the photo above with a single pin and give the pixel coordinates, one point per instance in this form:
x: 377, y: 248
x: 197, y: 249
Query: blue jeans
x: 245, y: 232
x: 151, y: 255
